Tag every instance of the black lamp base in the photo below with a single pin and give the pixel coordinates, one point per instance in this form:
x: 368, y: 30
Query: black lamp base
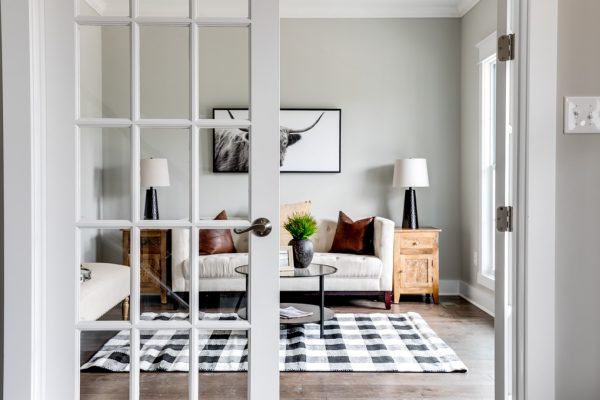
x: 151, y: 206
x: 410, y: 220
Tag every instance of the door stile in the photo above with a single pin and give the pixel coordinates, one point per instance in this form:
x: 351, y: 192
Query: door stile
x: 263, y: 346
x: 135, y: 256
x: 135, y: 262
x: 194, y: 310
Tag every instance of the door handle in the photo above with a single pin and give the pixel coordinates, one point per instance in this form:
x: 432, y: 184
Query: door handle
x: 260, y: 227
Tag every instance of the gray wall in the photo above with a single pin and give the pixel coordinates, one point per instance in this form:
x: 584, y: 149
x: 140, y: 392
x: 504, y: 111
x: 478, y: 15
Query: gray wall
x: 477, y: 24
x: 577, y: 205
x: 397, y: 82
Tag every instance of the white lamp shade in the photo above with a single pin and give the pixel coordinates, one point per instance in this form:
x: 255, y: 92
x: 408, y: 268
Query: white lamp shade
x: 154, y: 172
x: 411, y: 172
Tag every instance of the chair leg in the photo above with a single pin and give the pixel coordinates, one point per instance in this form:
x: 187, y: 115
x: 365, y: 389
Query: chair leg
x: 125, y: 308
x: 387, y: 298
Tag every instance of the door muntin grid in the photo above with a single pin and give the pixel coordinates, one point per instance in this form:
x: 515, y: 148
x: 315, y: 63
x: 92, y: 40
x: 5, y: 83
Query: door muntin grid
x: 135, y: 124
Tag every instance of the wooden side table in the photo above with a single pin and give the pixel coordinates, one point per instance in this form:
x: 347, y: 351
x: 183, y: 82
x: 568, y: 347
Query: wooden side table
x: 416, y: 262
x: 154, y: 260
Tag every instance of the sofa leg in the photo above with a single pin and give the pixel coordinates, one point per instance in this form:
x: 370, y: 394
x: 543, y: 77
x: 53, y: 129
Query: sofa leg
x: 387, y: 298
x: 125, y: 309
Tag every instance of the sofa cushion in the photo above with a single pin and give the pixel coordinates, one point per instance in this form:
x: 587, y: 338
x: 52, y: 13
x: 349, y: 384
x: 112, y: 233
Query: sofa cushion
x: 216, y: 241
x: 218, y: 266
x: 354, y: 237
x: 285, y: 211
x: 351, y: 265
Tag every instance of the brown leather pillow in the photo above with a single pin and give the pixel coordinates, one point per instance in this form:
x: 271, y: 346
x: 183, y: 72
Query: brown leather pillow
x: 354, y: 237
x: 216, y: 241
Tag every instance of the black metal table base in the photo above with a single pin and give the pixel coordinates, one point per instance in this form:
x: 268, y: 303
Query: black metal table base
x: 291, y: 322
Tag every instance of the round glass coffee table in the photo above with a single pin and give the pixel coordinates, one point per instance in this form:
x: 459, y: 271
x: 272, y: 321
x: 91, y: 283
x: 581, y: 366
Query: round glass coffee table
x: 320, y: 314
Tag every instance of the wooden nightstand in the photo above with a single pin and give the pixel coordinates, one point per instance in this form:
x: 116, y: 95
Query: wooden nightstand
x: 155, y: 258
x: 416, y: 262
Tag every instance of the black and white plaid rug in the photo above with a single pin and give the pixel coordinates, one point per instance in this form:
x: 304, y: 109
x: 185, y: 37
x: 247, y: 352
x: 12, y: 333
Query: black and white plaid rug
x: 352, y: 343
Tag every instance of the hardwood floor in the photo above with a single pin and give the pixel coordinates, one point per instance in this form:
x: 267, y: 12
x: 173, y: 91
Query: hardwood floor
x: 468, y: 330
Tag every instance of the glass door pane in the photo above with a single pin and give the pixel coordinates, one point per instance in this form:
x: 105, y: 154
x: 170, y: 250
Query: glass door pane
x: 164, y: 8
x: 104, y: 365
x: 114, y: 8
x: 105, y: 71
x: 164, y: 71
x: 164, y: 363
x: 223, y: 8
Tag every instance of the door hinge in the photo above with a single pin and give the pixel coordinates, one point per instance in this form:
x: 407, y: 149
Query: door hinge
x: 506, y: 47
x: 504, y: 219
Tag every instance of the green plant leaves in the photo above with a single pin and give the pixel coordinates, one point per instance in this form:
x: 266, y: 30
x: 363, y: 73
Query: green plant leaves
x: 301, y: 226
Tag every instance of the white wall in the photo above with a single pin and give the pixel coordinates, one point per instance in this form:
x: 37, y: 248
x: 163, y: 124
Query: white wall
x: 398, y: 84
x: 477, y: 24
x: 578, y: 215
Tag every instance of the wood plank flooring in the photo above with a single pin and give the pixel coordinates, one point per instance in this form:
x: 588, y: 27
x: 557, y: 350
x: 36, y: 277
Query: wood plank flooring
x: 468, y: 330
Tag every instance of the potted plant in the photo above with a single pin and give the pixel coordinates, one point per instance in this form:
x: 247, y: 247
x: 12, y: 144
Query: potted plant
x: 301, y: 227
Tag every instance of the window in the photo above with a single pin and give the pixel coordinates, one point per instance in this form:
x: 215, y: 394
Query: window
x: 487, y: 165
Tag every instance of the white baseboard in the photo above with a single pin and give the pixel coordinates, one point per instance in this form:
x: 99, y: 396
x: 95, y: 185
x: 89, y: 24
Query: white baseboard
x: 479, y: 296
x: 449, y: 287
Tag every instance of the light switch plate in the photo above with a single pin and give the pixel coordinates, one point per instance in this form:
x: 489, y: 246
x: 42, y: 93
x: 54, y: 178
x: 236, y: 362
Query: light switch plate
x: 582, y: 115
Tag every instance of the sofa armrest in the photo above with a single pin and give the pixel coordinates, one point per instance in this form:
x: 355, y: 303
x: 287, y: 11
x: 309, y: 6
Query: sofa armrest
x: 384, y: 250
x: 180, y: 249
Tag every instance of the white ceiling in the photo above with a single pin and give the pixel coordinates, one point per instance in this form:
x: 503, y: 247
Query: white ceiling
x: 306, y: 8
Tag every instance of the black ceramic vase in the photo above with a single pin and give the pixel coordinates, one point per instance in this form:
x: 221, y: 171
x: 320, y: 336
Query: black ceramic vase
x: 303, y: 252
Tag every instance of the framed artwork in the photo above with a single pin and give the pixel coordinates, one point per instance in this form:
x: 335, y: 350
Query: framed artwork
x: 310, y: 141
x: 286, y: 258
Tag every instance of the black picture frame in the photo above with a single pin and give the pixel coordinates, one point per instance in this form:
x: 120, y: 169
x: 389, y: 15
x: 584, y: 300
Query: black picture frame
x: 339, y: 140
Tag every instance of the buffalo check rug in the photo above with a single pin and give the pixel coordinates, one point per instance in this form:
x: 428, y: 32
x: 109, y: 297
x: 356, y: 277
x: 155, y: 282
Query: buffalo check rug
x: 351, y: 343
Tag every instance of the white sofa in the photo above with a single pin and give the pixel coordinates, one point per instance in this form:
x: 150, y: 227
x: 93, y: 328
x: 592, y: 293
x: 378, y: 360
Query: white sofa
x: 356, y: 273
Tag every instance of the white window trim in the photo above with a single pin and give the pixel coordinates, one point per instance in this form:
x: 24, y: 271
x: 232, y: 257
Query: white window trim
x: 486, y: 50
x: 486, y: 280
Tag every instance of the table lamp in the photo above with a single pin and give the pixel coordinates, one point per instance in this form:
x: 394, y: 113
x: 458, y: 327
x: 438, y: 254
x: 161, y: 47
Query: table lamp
x: 154, y: 173
x: 410, y: 173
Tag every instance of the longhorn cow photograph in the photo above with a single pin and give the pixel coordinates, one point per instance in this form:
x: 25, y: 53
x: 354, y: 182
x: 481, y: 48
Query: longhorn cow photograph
x: 309, y: 139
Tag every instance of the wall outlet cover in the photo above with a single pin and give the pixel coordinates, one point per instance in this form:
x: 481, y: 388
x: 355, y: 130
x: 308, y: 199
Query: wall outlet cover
x: 582, y: 115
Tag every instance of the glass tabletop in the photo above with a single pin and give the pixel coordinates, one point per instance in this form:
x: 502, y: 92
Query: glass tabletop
x: 312, y: 270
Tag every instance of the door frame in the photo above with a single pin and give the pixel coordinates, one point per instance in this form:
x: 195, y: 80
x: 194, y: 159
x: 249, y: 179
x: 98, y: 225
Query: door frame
x: 25, y: 215
x: 525, y: 355
x: 537, y: 46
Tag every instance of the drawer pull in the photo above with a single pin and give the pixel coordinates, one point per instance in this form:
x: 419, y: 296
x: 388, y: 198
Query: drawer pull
x: 415, y: 243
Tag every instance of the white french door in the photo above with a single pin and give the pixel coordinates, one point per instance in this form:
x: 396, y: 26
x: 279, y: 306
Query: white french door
x: 109, y: 104
x: 506, y: 182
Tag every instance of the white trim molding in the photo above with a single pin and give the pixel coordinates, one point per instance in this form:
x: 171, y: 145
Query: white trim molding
x: 537, y: 220
x: 309, y: 8
x: 464, y: 6
x: 486, y: 280
x: 487, y: 46
x: 479, y: 296
x: 24, y: 251
x: 449, y: 287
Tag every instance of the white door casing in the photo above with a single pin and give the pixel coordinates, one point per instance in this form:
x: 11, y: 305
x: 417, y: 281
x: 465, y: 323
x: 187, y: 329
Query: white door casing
x: 526, y: 102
